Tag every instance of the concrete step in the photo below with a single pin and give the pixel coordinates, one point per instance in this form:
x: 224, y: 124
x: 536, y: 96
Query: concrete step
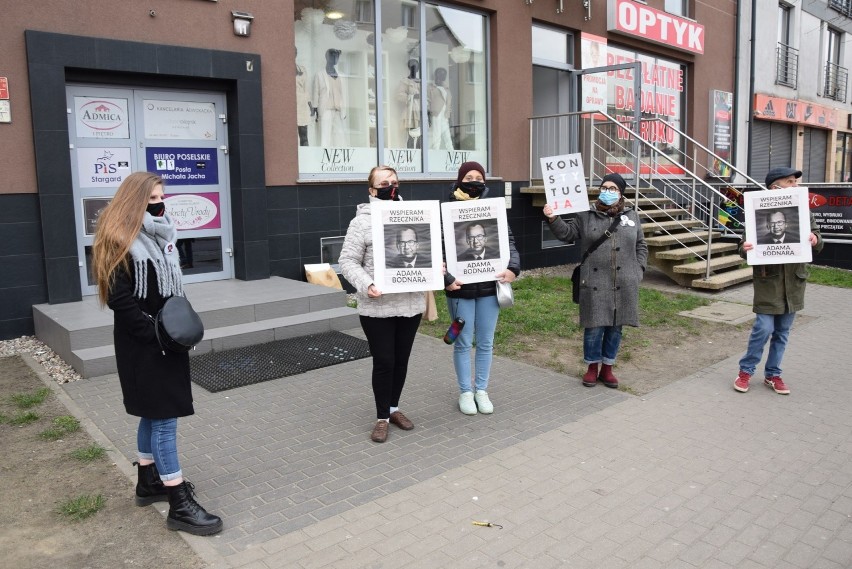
x: 666, y: 213
x: 681, y: 238
x: 81, y: 332
x: 716, y: 264
x: 724, y: 280
x: 683, y: 253
x: 100, y: 360
x: 538, y: 200
x: 669, y: 226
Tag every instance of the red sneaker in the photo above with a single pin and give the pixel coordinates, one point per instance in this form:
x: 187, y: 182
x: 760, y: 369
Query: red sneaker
x: 777, y: 384
x: 741, y: 383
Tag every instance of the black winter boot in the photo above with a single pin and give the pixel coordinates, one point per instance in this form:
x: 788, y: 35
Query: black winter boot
x: 149, y: 487
x: 187, y: 515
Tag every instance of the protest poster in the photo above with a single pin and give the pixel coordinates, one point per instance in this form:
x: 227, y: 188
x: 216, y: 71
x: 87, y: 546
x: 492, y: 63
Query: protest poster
x: 778, y: 225
x: 564, y: 183
x: 406, y: 246
x: 476, y: 239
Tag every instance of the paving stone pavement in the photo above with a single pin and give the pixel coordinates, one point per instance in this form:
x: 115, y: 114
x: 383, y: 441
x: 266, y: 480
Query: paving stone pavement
x: 691, y: 475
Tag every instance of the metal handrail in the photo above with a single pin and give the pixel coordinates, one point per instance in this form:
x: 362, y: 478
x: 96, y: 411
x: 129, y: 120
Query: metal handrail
x: 630, y: 134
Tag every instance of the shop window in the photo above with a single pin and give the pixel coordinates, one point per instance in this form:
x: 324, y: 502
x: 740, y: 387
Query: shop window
x: 661, y: 103
x: 407, y: 106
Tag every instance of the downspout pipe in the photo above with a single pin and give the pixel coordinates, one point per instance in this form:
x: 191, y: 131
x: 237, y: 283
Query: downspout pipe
x: 751, y: 84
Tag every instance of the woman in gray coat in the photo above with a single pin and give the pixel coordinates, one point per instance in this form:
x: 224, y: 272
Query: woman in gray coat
x: 610, y: 276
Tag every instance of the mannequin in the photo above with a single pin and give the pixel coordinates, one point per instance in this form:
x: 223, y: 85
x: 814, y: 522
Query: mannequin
x: 304, y: 110
x: 329, y: 99
x: 439, y: 101
x: 408, y: 93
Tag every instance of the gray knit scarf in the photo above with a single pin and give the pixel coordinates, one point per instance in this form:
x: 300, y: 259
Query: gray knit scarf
x: 156, y: 243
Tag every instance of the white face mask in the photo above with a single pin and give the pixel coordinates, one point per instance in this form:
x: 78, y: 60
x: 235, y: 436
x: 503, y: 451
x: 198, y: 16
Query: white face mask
x: 609, y: 197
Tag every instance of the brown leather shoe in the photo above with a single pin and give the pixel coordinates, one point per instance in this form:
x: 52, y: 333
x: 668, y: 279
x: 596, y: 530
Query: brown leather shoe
x: 380, y: 432
x: 401, y: 421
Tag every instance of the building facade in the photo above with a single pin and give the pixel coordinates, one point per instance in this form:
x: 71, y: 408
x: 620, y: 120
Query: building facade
x: 796, y: 57
x: 264, y: 118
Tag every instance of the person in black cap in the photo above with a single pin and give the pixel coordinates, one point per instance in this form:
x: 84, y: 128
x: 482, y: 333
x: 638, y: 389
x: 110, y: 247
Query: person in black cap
x: 779, y: 292
x: 779, y: 178
x: 610, y: 276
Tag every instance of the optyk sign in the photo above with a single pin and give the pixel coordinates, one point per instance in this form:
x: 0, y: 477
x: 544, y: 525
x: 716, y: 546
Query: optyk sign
x: 642, y: 21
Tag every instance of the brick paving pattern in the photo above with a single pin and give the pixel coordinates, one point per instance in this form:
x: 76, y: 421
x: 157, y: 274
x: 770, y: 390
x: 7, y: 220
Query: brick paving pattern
x: 692, y: 475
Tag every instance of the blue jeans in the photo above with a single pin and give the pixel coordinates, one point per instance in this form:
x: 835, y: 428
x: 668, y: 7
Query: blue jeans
x: 480, y: 320
x: 156, y: 439
x: 601, y: 344
x: 776, y: 329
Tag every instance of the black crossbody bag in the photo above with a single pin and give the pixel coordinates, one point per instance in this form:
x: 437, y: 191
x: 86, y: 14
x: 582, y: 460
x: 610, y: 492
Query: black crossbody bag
x: 177, y: 326
x: 575, y: 276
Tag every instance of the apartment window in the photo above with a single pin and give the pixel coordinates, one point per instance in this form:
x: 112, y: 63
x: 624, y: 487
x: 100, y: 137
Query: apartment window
x: 678, y: 7
x: 364, y: 11
x: 835, y: 76
x: 784, y: 20
x: 786, y: 56
x: 408, y: 12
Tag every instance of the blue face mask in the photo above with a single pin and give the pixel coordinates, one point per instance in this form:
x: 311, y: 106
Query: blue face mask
x: 609, y: 197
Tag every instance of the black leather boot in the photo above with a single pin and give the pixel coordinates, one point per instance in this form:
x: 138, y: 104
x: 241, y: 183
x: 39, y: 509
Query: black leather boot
x: 149, y: 487
x: 187, y: 515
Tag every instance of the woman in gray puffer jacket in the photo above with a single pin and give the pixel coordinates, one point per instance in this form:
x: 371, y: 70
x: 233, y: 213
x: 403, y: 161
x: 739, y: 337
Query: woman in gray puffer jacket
x: 610, y: 276
x: 390, y: 321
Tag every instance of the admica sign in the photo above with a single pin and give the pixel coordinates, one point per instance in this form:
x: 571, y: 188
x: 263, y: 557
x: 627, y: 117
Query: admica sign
x: 641, y: 21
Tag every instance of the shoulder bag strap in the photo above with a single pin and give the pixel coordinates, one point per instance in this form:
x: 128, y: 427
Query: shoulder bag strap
x: 607, y: 234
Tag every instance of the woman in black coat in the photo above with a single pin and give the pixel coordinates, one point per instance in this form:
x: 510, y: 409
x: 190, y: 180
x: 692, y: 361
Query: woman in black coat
x: 136, y: 266
x: 476, y: 303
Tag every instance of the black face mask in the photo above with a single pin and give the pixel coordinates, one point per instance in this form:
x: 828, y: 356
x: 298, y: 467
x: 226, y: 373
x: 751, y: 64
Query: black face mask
x: 473, y: 189
x: 389, y: 193
x: 156, y: 209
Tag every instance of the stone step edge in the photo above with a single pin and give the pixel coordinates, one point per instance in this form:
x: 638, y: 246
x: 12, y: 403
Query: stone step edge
x: 724, y: 280
x: 678, y: 238
x: 234, y: 336
x: 686, y: 252
x: 716, y: 264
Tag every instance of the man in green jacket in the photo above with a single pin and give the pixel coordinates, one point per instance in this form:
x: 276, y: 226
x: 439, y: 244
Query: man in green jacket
x: 779, y: 292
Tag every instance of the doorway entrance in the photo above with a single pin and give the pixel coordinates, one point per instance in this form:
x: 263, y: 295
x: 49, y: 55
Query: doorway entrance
x: 180, y: 136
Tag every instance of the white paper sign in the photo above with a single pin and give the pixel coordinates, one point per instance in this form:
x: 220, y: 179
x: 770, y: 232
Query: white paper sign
x: 778, y: 225
x: 179, y: 120
x: 476, y: 239
x: 407, y: 246
x: 564, y: 183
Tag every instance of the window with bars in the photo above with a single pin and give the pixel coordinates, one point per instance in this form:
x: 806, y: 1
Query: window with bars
x: 835, y: 76
x: 786, y: 65
x: 842, y: 6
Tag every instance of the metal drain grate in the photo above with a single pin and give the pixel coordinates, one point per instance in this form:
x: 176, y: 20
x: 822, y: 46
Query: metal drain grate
x: 219, y: 371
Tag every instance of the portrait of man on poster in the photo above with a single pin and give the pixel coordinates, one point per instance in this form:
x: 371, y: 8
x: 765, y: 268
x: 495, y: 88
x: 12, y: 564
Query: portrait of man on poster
x: 405, y: 251
x: 780, y: 225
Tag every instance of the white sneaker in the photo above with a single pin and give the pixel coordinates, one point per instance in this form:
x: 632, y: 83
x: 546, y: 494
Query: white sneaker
x: 483, y: 403
x: 466, y: 404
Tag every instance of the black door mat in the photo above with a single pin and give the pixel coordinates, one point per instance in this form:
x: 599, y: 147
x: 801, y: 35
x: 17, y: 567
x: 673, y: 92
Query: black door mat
x: 219, y: 371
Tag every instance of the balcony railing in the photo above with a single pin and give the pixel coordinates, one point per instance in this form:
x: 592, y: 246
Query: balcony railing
x: 835, y: 82
x: 786, y: 65
x: 842, y: 6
